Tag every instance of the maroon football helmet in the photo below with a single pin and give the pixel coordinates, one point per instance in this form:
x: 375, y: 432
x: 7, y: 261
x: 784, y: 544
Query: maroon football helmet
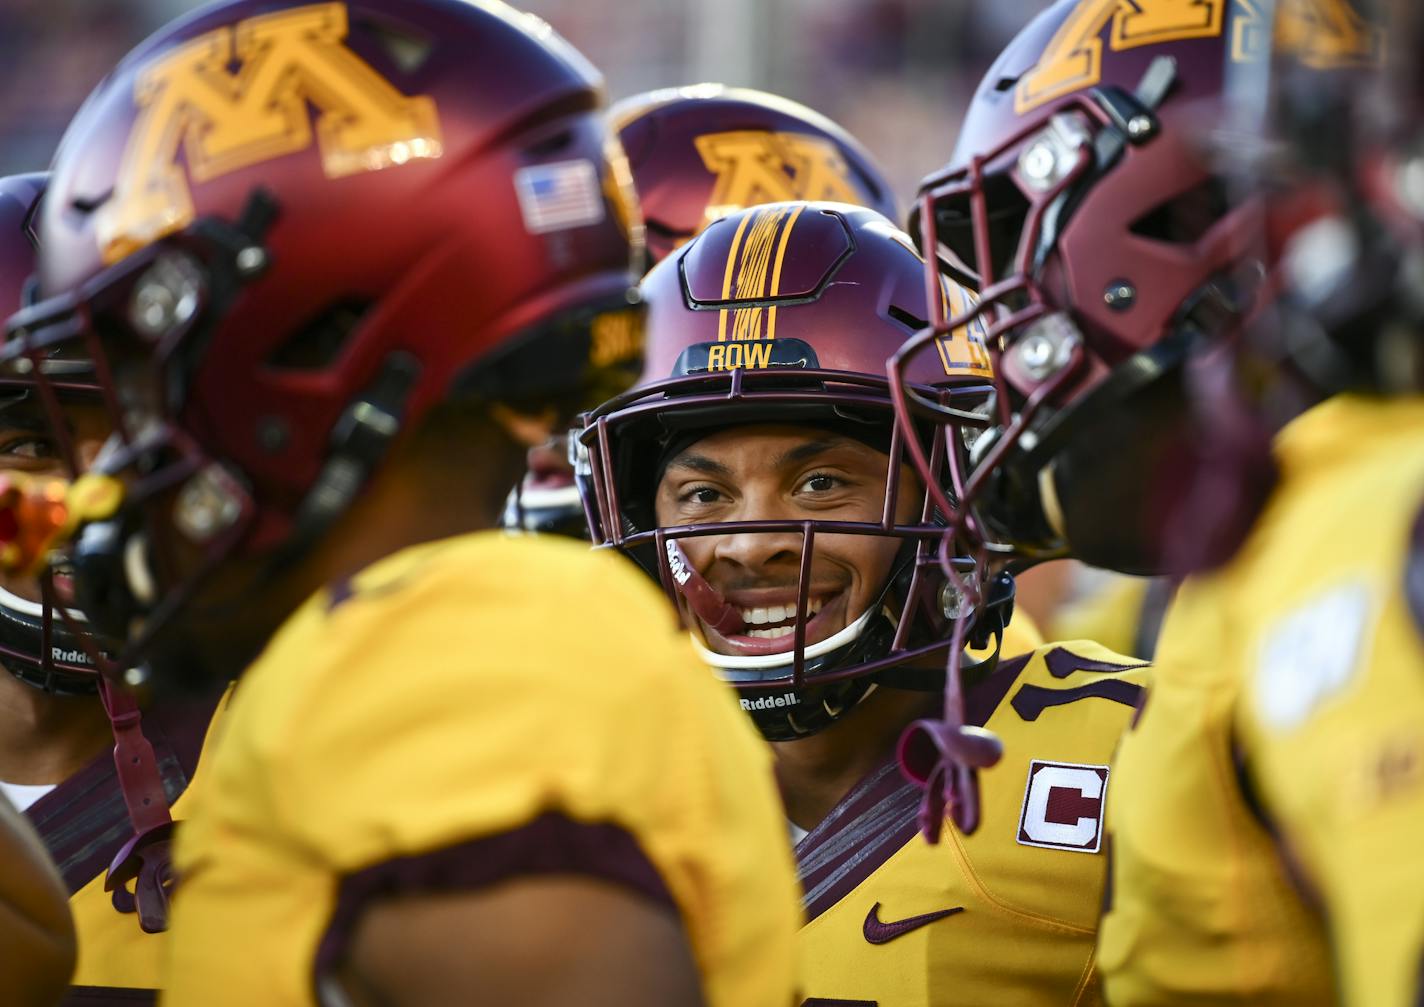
x: 1328, y: 138
x: 785, y: 313
x: 1082, y: 205
x: 284, y: 232
x: 701, y: 152
x: 696, y: 154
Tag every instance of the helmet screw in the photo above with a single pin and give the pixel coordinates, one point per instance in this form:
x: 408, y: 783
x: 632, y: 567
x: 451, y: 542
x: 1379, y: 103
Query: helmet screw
x: 1139, y: 127
x: 136, y: 677
x: 272, y: 434
x: 251, y: 260
x: 207, y: 505
x: 1045, y: 348
x: 1037, y: 353
x: 166, y: 296
x: 1120, y: 295
x: 952, y: 600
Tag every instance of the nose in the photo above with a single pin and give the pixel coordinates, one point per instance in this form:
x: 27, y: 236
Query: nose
x: 757, y: 550
x: 86, y: 451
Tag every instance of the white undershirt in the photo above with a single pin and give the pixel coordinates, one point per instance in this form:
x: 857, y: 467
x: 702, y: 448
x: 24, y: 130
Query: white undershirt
x: 22, y: 795
x: 797, y: 833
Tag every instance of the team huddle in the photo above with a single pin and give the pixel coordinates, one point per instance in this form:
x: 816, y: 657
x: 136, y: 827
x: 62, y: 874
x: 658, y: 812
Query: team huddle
x: 727, y: 702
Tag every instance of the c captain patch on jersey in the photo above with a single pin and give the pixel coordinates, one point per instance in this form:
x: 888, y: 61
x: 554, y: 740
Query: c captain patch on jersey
x: 1063, y: 806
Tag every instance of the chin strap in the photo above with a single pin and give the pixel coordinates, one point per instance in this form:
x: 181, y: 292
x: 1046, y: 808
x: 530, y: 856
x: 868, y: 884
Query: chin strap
x: 944, y: 756
x: 146, y: 859
x: 705, y: 600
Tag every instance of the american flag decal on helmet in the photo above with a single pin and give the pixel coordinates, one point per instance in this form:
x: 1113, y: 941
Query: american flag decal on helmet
x: 556, y: 197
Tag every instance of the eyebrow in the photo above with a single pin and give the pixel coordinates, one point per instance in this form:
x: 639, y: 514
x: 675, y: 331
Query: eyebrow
x: 805, y: 452
x: 19, y: 418
x: 791, y: 456
x: 699, y: 463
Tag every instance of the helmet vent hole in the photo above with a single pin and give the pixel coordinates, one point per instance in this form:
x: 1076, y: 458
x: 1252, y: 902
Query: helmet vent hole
x: 906, y: 319
x: 549, y: 146
x: 318, y: 344
x: 1185, y: 218
x: 1007, y: 211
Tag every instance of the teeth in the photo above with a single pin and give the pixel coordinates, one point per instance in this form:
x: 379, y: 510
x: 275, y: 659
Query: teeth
x: 778, y: 613
x: 775, y: 633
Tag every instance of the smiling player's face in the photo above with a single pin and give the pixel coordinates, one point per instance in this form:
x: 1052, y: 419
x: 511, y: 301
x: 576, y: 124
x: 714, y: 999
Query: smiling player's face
x: 784, y: 473
x: 28, y: 447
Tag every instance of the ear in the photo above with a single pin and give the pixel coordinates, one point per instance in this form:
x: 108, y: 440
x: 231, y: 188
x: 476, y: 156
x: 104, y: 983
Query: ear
x: 527, y: 429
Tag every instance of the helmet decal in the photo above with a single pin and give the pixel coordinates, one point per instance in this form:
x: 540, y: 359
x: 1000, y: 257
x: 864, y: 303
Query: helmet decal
x: 965, y: 349
x: 755, y: 167
x: 750, y: 265
x: 1073, y: 58
x: 224, y: 121
x: 701, y: 153
x: 1326, y: 34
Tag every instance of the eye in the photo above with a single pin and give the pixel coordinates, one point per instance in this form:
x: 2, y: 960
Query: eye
x: 28, y: 447
x: 821, y: 482
x: 700, y: 495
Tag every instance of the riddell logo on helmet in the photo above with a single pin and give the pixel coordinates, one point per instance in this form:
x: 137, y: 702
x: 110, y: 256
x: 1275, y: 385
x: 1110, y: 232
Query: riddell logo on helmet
x: 770, y: 702
x: 288, y: 63
x: 62, y: 656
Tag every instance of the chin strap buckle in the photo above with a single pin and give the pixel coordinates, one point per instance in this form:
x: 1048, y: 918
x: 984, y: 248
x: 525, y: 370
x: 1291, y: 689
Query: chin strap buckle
x: 944, y: 758
x: 146, y: 859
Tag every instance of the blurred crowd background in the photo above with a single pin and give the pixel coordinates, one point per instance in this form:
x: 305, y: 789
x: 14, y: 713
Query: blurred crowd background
x: 897, y: 73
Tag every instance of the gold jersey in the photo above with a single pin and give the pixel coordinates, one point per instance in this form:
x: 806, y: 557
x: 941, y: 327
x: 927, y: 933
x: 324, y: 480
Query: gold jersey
x: 1007, y: 915
x: 456, y: 712
x: 1125, y: 614
x: 84, y: 822
x: 1283, y: 746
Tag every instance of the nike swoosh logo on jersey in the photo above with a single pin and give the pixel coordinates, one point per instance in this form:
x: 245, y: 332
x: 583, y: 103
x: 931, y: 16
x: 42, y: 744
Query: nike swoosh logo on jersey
x: 877, y: 932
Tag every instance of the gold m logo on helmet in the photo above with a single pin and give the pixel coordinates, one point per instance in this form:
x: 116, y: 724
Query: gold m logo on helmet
x: 223, y: 120
x: 755, y: 167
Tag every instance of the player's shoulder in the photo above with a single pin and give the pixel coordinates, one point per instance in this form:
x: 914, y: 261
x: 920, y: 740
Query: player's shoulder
x: 1352, y: 465
x: 535, y: 599
x: 519, y: 621
x: 1075, y: 688
x: 500, y: 569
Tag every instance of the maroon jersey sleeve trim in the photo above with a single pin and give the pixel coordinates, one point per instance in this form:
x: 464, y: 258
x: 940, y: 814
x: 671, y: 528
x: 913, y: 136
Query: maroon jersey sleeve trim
x: 863, y: 831
x: 107, y: 996
x: 1414, y: 574
x: 550, y: 844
